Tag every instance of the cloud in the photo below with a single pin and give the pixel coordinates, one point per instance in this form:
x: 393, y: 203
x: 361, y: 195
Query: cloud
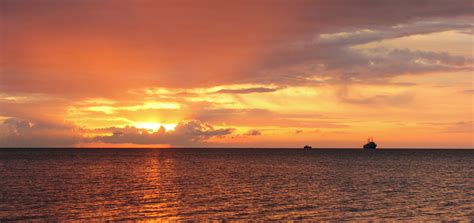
x: 382, y: 62
x: 452, y: 127
x: 459, y: 127
x: 363, y: 36
x: 336, y: 57
x: 23, y: 133
x: 247, y: 90
x: 350, y: 96
x: 253, y: 132
x: 185, y: 134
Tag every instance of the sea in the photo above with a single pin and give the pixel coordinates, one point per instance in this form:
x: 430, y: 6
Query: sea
x: 236, y: 184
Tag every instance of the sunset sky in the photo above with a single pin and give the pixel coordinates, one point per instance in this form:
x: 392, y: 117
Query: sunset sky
x: 253, y: 73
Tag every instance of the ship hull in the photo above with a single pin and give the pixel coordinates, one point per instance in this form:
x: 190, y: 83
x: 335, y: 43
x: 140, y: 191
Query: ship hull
x: 370, y: 146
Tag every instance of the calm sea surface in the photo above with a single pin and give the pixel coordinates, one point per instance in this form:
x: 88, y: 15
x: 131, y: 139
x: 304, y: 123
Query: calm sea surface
x: 182, y: 184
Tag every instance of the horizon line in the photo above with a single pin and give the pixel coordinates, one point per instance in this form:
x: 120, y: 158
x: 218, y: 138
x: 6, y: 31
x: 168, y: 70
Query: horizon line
x: 282, y: 148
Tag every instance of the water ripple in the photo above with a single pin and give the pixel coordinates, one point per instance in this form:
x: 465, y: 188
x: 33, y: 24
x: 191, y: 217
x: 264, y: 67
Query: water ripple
x: 212, y: 184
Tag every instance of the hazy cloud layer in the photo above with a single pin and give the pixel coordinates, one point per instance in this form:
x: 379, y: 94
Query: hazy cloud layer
x: 470, y: 91
x: 459, y: 127
x: 263, y: 117
x: 247, y: 90
x: 393, y: 99
x: 106, y: 47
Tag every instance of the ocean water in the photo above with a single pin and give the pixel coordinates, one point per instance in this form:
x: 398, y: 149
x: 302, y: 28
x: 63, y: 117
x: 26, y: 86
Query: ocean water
x: 236, y: 184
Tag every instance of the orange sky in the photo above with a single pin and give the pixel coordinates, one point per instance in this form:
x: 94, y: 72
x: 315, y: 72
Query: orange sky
x: 236, y: 74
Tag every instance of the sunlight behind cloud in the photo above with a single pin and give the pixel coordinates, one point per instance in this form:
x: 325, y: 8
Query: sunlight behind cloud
x: 153, y: 127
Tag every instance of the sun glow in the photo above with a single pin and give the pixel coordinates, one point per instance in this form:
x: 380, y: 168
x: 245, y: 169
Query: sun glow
x: 153, y: 127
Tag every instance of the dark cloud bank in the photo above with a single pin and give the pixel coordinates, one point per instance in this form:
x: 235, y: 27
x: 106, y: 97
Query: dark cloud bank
x: 185, y: 134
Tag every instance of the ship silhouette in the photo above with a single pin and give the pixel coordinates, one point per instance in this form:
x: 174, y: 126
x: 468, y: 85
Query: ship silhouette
x: 370, y: 144
x: 307, y: 147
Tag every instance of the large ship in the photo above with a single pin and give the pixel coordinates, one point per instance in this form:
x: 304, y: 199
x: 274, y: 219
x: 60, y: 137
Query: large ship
x: 370, y: 144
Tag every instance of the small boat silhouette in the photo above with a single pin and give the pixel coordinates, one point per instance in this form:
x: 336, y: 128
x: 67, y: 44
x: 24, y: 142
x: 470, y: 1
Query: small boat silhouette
x: 370, y: 144
x: 307, y: 147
